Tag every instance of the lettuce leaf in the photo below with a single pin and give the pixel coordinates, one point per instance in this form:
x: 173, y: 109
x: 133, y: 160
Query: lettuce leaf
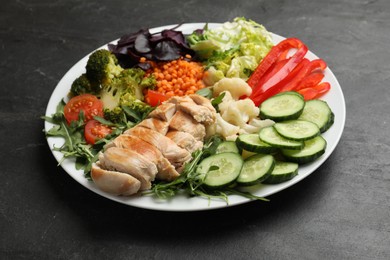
x: 233, y: 49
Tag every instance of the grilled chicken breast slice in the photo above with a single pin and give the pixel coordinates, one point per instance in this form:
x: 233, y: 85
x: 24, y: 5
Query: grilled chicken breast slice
x: 166, y: 171
x: 202, y: 101
x: 113, y: 182
x: 131, y: 162
x: 165, y: 111
x: 155, y: 124
x: 167, y: 147
x: 183, y: 122
x: 185, y: 140
x: 200, y: 113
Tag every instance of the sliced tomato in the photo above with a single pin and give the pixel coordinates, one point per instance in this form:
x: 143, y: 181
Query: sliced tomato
x: 155, y: 98
x: 89, y: 104
x: 94, y: 131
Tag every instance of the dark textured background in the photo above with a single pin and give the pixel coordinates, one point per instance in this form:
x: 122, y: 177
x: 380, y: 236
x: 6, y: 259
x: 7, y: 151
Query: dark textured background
x: 340, y: 212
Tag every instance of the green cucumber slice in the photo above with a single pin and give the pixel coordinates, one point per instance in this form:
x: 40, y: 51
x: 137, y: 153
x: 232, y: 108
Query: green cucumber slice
x: 283, y: 171
x: 313, y: 149
x: 270, y: 136
x: 318, y: 112
x: 221, y: 169
x: 299, y: 130
x: 284, y: 106
x: 252, y: 143
x: 255, y: 169
x: 227, y: 146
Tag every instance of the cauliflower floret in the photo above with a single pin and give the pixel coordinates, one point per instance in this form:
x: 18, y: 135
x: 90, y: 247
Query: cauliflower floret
x: 224, y: 128
x: 240, y: 112
x: 226, y: 101
x: 254, y: 125
x: 236, y: 116
x: 236, y: 86
x: 261, y: 123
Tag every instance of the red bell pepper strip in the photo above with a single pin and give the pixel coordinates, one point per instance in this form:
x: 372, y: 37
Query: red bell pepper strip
x: 305, y: 71
x: 267, y: 88
x: 315, y: 92
x: 279, y: 86
x: 274, y: 68
x: 311, y: 80
x: 270, y: 59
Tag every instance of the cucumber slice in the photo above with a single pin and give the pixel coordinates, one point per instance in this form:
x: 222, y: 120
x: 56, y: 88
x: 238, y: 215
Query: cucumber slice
x: 299, y: 130
x: 290, y: 93
x: 318, y: 112
x: 284, y: 106
x: 313, y: 149
x: 256, y: 169
x: 221, y: 169
x: 283, y: 171
x: 252, y: 143
x: 227, y: 146
x: 271, y: 137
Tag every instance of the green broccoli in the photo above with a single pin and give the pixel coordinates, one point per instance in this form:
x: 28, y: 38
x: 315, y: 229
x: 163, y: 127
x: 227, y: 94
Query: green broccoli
x: 149, y: 82
x: 115, y: 115
x: 102, y: 66
x: 127, y: 82
x: 123, y: 97
x: 133, y: 103
x: 83, y: 85
x: 129, y: 107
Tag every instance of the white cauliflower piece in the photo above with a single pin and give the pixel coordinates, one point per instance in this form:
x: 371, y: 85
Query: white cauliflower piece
x: 224, y: 128
x: 261, y: 123
x: 236, y: 86
x: 226, y: 101
x: 239, y: 112
x: 254, y: 125
x: 248, y: 129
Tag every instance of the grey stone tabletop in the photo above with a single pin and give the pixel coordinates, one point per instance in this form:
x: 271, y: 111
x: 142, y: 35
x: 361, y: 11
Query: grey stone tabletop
x: 341, y: 211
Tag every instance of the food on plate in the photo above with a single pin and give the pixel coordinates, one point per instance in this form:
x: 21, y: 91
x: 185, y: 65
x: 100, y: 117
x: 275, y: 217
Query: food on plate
x: 146, y: 153
x: 207, y: 112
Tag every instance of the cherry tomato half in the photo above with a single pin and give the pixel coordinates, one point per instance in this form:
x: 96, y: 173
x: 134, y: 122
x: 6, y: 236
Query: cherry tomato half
x: 155, y: 98
x: 89, y: 104
x: 95, y: 131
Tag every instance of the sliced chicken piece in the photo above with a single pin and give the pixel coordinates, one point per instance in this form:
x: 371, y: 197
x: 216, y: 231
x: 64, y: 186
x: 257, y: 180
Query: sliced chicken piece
x: 166, y: 171
x: 202, y: 101
x: 200, y: 113
x: 183, y: 122
x: 167, y: 147
x: 165, y: 111
x: 114, y: 182
x: 128, y: 161
x: 155, y: 124
x: 185, y: 140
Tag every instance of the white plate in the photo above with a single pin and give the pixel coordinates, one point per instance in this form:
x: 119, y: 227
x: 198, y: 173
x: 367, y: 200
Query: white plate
x: 334, y: 98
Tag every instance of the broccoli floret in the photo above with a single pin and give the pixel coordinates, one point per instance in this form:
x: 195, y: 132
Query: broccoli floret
x: 83, y: 85
x: 102, y: 66
x: 115, y: 115
x: 149, y: 82
x: 132, y: 102
x: 127, y: 82
x: 129, y: 108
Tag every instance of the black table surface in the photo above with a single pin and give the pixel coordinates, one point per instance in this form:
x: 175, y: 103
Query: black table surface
x: 341, y: 211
